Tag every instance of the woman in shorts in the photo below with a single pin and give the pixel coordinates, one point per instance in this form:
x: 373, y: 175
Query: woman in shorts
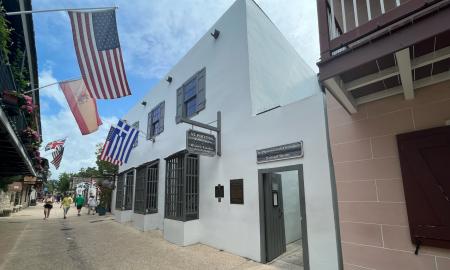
x: 48, y: 205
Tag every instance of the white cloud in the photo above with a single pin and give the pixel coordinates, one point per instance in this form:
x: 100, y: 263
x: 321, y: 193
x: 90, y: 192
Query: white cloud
x: 79, y: 150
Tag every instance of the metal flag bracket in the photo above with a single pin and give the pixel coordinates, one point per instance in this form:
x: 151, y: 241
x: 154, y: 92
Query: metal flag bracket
x: 217, y: 129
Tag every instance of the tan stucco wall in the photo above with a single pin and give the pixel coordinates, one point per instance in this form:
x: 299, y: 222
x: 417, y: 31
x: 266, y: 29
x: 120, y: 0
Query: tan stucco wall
x: 372, y: 211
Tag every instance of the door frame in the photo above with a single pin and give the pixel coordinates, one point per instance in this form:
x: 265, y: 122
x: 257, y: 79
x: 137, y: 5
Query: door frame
x: 262, y: 222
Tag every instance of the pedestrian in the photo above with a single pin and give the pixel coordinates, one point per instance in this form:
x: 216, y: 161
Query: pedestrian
x: 79, y: 202
x: 92, y: 204
x: 48, y: 205
x: 66, y: 202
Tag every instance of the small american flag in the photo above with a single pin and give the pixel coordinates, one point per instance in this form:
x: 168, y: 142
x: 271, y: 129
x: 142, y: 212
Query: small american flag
x: 57, y: 156
x: 105, y: 149
x: 119, y: 143
x: 54, y: 144
x: 98, y: 52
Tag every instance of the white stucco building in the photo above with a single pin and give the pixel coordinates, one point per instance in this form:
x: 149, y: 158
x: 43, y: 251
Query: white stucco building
x: 267, y: 97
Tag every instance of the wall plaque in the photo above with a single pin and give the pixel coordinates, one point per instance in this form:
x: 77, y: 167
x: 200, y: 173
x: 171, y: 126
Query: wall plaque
x: 200, y: 143
x: 286, y: 151
x: 237, y: 191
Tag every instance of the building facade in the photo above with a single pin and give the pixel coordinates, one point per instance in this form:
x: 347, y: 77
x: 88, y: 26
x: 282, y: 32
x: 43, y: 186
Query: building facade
x: 269, y: 183
x: 385, y: 65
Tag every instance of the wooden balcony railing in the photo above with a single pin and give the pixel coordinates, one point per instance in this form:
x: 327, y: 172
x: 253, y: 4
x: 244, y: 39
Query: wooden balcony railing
x: 343, y: 23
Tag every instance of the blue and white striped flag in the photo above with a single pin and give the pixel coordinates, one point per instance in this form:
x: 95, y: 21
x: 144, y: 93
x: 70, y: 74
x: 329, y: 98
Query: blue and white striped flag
x: 119, y: 143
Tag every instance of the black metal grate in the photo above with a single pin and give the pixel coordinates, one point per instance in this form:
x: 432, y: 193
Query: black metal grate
x: 139, y: 197
x: 146, y: 197
x: 129, y: 177
x: 119, y: 192
x: 152, y: 188
x: 182, y: 187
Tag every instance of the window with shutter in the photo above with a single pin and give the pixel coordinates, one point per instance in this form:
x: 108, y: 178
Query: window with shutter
x: 191, y: 96
x: 425, y: 162
x: 156, y: 121
x: 136, y: 126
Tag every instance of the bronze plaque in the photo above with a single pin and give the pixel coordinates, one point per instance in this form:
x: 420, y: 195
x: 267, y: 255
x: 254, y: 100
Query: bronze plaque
x: 237, y: 191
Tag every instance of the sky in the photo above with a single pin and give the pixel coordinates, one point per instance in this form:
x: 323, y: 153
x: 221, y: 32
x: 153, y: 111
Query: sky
x: 154, y: 35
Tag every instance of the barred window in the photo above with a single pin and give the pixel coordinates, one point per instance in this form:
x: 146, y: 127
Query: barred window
x: 182, y: 194
x: 129, y: 186
x: 146, y: 198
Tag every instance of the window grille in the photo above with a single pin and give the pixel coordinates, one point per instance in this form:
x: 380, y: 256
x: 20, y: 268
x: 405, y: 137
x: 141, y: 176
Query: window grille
x: 146, y: 197
x: 129, y: 177
x: 182, y: 196
x: 119, y: 191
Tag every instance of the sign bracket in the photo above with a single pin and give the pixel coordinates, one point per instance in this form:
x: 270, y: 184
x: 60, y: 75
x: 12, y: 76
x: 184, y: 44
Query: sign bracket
x: 217, y: 129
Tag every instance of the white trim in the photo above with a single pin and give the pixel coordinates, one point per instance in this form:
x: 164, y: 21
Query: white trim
x: 404, y: 66
x: 355, y: 12
x: 344, y: 18
x: 431, y: 57
x: 380, y: 95
x: 369, y: 79
x: 369, y: 11
x: 336, y: 88
x: 23, y: 12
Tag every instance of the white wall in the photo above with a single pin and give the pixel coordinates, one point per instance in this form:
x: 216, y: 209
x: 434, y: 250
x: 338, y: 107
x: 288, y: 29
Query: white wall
x: 231, y: 88
x: 291, y: 206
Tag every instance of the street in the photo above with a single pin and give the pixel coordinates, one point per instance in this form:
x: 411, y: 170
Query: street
x: 98, y: 242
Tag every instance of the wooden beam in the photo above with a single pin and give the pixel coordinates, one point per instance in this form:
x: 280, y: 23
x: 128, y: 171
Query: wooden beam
x: 438, y: 78
x: 372, y: 78
x: 336, y: 87
x: 431, y: 57
x: 404, y: 67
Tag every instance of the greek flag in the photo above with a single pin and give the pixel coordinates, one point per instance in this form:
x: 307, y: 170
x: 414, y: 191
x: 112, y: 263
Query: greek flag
x: 119, y: 144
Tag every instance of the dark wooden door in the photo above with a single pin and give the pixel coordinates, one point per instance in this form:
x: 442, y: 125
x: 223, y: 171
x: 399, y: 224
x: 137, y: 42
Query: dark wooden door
x: 425, y: 163
x: 274, y: 217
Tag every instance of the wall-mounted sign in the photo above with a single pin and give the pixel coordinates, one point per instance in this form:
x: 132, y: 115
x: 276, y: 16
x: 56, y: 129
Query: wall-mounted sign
x: 286, y: 151
x: 200, y: 143
x: 29, y: 179
x: 237, y: 191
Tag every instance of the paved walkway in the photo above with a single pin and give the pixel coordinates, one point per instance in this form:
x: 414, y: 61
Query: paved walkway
x: 94, y: 242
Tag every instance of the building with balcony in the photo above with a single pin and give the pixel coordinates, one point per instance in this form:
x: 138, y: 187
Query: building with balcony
x: 386, y: 67
x: 20, y: 125
x: 259, y: 195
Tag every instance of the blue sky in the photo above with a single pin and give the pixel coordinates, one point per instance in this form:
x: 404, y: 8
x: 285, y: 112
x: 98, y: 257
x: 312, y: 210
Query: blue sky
x: 154, y: 35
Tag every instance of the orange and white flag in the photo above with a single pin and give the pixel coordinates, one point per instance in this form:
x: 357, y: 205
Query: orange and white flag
x: 82, y: 105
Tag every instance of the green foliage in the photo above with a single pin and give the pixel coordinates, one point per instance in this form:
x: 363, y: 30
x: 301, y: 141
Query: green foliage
x: 64, y: 182
x: 105, y: 167
x: 5, y: 38
x: 88, y: 172
x: 4, y: 182
x: 52, y: 186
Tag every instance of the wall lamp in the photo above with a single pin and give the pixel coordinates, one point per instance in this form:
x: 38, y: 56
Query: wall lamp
x: 215, y: 34
x: 169, y: 79
x: 144, y: 103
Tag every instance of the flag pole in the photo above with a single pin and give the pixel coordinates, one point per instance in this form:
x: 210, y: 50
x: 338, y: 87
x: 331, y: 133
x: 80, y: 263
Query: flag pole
x: 58, y: 9
x: 35, y: 89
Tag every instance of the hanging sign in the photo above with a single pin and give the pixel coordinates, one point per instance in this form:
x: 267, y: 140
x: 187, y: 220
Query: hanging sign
x: 286, y: 151
x: 200, y: 143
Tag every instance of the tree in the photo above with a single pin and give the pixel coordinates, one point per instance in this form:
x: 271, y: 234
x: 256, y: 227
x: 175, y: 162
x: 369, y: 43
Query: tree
x: 64, y: 181
x: 104, y: 167
x: 52, y: 185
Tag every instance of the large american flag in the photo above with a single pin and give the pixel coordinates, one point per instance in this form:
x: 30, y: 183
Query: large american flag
x: 118, y: 144
x: 54, y: 144
x: 57, y: 156
x: 98, y: 52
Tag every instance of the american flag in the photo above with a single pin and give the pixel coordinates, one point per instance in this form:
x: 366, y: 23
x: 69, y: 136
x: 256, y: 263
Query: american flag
x: 57, y: 156
x: 98, y: 52
x: 105, y: 149
x: 119, y: 143
x: 54, y: 144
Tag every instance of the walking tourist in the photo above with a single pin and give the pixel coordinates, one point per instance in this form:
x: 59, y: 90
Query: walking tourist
x: 92, y: 203
x: 48, y: 205
x: 66, y: 202
x: 79, y: 202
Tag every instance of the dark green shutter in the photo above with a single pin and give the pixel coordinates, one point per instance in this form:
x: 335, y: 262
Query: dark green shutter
x: 161, y: 117
x: 179, y: 105
x: 201, y: 83
x: 149, y: 126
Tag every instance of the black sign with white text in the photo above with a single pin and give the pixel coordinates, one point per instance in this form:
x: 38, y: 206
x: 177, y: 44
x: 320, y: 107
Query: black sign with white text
x: 286, y: 151
x: 200, y: 143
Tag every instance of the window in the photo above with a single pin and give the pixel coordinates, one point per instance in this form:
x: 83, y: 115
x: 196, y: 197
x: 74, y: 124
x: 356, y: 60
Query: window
x: 129, y: 185
x: 146, y: 198
x: 182, y: 194
x: 136, y: 126
x: 155, y: 121
x: 191, y: 96
x: 120, y: 191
